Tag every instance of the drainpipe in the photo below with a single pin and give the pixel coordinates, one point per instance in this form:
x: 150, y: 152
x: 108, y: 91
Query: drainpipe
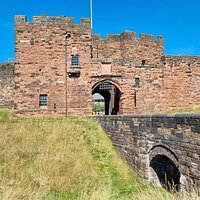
x: 68, y: 35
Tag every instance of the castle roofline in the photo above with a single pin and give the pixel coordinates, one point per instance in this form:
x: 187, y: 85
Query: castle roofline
x: 54, y: 21
x: 128, y: 36
x: 85, y: 23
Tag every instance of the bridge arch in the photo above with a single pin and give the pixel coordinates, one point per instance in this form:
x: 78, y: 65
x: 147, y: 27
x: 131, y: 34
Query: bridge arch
x: 164, y: 167
x: 111, y: 92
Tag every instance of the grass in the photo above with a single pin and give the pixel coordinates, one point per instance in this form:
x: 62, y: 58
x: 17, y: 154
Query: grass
x: 5, y: 114
x: 61, y: 159
x: 192, y: 110
x: 158, y: 194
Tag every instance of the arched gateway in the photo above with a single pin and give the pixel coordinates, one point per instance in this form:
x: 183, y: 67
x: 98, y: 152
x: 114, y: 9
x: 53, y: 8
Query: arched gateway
x: 111, y: 94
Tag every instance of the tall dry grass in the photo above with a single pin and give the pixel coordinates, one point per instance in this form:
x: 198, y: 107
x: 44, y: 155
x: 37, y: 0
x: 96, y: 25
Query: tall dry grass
x: 157, y: 193
x: 61, y: 159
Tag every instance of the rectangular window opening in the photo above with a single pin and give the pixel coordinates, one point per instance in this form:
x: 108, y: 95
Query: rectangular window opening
x: 137, y: 82
x: 43, y: 100
x: 75, y: 60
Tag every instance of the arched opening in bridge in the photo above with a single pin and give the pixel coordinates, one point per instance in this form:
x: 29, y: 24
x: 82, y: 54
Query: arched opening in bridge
x: 166, y: 172
x: 111, y: 95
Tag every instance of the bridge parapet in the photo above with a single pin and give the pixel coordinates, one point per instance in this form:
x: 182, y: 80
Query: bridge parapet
x: 150, y: 142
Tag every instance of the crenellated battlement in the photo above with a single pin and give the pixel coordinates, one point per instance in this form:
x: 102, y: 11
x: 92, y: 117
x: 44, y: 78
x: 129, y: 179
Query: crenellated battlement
x: 53, y: 21
x: 85, y: 23
x: 129, y: 36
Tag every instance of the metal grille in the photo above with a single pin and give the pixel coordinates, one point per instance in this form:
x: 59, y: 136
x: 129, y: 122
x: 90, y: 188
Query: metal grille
x: 75, y: 60
x: 43, y: 100
x: 105, y: 86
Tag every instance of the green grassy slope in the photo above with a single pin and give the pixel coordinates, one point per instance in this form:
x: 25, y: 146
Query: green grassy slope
x: 192, y: 110
x: 60, y: 159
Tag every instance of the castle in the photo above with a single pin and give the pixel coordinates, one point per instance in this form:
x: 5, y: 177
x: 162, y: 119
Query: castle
x: 60, y: 65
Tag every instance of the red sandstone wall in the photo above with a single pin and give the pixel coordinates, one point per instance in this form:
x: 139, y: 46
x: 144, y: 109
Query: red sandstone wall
x: 181, y: 82
x: 43, y: 66
x: 173, y: 84
x: 79, y: 95
x: 126, y: 53
x: 43, y: 59
x: 6, y: 85
x: 39, y: 68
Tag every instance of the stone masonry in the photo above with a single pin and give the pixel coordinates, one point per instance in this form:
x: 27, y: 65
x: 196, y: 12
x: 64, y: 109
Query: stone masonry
x: 59, y: 65
x: 43, y: 66
x: 140, y: 138
x: 6, y: 85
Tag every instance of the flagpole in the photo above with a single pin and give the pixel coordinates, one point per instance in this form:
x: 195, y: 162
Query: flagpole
x: 91, y: 13
x: 91, y: 28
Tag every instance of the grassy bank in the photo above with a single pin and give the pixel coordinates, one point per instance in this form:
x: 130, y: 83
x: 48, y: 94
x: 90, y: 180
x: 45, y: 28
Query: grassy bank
x: 192, y: 110
x: 60, y: 159
x: 5, y: 115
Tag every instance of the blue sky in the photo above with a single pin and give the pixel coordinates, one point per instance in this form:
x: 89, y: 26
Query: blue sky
x: 178, y: 21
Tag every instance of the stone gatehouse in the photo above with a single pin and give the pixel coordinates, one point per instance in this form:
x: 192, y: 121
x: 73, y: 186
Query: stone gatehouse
x: 60, y: 65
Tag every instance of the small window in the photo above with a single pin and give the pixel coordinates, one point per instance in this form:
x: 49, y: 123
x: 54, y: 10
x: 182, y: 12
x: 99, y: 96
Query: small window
x: 143, y: 62
x: 137, y: 82
x: 43, y: 100
x: 75, y: 60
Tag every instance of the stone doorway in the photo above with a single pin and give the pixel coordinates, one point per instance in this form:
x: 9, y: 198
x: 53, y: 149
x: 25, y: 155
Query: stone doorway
x: 165, y: 173
x: 111, y: 95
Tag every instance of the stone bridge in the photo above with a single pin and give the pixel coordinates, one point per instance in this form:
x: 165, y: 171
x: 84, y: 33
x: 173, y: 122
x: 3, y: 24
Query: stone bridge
x: 164, y: 149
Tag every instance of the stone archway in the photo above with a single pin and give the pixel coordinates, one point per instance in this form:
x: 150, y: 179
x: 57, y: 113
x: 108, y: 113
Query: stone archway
x: 111, y: 94
x: 164, y: 167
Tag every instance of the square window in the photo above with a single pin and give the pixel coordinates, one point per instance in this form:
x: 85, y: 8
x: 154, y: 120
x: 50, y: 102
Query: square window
x: 43, y: 100
x: 75, y: 60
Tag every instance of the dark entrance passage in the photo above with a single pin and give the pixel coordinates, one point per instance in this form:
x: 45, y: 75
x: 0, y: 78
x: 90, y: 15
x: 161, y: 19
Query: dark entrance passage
x: 111, y: 95
x: 166, y: 171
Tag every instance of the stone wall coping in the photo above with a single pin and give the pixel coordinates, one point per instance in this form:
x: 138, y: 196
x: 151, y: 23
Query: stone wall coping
x: 151, y: 116
x: 181, y: 57
x: 7, y: 63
